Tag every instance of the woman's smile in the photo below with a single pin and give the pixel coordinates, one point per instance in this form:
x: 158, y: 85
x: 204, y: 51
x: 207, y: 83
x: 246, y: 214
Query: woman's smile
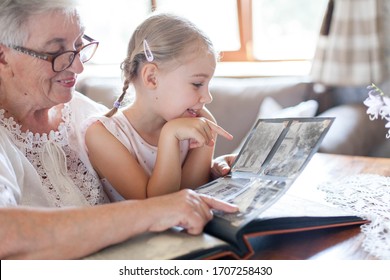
x: 69, y: 82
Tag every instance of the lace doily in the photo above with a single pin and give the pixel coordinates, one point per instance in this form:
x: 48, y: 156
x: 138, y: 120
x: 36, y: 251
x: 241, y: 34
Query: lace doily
x: 368, y: 196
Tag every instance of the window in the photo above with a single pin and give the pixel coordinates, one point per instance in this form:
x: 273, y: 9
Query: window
x: 112, y: 25
x: 215, y: 17
x: 268, y: 26
x: 285, y: 29
x: 243, y: 30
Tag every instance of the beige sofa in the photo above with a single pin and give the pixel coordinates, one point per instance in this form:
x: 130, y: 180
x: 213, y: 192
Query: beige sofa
x: 238, y: 102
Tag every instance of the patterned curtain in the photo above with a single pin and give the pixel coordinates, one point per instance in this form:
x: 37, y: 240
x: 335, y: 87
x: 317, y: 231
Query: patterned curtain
x: 350, y: 49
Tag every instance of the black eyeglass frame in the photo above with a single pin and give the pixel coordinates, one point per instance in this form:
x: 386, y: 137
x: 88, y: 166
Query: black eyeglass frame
x: 51, y: 58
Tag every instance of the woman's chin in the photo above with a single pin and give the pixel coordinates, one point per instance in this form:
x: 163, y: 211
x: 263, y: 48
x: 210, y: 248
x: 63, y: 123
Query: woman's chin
x: 65, y: 97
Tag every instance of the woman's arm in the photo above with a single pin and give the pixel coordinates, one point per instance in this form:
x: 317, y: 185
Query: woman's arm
x: 31, y: 233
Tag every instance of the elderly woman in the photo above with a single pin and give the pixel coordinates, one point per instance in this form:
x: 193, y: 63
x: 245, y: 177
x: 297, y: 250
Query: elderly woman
x: 42, y: 160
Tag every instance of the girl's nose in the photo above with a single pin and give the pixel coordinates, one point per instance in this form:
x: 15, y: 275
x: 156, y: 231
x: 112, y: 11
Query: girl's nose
x: 206, y: 97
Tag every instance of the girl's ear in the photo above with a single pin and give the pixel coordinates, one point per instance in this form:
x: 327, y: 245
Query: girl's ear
x: 149, y: 75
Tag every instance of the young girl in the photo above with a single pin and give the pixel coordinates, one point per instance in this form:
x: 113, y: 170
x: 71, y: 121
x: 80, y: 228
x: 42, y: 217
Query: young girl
x: 164, y: 141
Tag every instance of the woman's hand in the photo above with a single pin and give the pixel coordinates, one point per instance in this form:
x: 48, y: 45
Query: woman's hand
x: 186, y: 209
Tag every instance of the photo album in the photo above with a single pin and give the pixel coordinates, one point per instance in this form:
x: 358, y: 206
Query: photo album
x: 272, y: 157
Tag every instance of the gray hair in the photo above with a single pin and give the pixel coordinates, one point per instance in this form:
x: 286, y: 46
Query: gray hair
x: 15, y: 14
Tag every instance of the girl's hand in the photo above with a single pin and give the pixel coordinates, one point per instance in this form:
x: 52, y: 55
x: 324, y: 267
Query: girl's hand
x: 200, y: 131
x: 222, y: 165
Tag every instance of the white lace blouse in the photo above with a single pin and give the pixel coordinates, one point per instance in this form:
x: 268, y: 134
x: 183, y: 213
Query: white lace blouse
x: 49, y: 170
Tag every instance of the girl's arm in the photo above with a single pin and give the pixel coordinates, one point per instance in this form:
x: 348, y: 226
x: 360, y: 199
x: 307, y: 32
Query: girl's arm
x: 113, y: 161
x: 169, y: 174
x: 198, y: 163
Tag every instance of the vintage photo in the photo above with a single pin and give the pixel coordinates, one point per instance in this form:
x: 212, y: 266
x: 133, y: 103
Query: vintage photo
x: 273, y: 156
x: 258, y: 195
x: 293, y: 151
x: 225, y: 188
x: 258, y: 147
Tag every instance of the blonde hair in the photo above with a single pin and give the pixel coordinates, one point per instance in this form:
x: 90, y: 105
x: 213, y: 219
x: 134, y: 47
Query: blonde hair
x: 169, y: 39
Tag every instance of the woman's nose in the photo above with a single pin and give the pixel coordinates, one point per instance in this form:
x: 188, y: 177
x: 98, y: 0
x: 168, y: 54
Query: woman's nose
x: 77, y: 66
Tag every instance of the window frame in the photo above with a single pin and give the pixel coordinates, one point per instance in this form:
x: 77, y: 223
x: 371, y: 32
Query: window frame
x: 244, y: 54
x: 244, y: 9
x: 232, y: 60
x: 245, y: 25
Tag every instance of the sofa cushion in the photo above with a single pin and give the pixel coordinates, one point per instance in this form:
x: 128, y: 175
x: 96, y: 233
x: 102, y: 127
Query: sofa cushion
x: 271, y: 109
x: 352, y: 133
x: 236, y: 103
x: 102, y: 90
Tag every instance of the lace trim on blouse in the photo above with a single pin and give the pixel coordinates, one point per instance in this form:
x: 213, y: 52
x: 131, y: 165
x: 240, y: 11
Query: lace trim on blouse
x: 368, y: 196
x: 49, y: 154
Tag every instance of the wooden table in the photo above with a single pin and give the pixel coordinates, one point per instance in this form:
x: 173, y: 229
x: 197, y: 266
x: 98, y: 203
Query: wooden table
x: 333, y: 244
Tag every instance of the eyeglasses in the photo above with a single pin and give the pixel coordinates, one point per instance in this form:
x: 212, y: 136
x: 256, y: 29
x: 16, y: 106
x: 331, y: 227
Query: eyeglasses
x: 64, y: 60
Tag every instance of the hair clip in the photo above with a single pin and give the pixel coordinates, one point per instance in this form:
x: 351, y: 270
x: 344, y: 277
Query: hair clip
x: 117, y: 104
x: 148, y: 53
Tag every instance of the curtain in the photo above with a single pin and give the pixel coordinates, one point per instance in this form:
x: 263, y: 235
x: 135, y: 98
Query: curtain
x: 350, y: 49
